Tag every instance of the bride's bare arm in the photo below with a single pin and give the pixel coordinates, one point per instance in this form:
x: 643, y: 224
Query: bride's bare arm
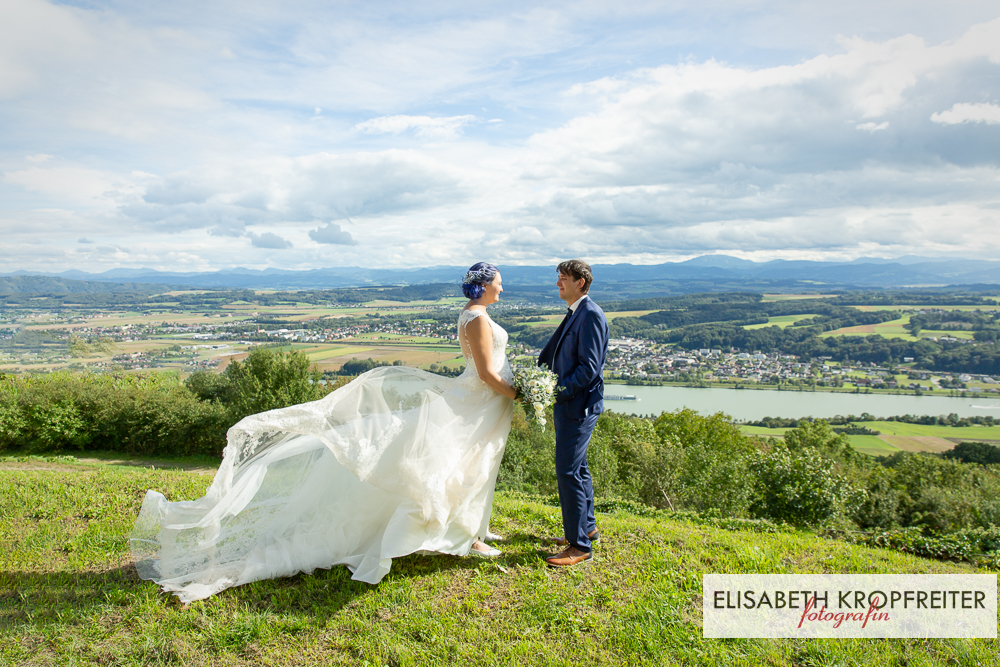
x: 479, y: 334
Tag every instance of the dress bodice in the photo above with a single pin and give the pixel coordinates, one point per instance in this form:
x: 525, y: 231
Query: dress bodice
x: 499, y: 351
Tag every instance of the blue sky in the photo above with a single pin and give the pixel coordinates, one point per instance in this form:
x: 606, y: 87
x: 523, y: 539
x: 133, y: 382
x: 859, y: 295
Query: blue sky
x: 312, y: 134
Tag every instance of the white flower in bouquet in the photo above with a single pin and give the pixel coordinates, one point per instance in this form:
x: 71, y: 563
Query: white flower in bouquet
x: 537, y: 388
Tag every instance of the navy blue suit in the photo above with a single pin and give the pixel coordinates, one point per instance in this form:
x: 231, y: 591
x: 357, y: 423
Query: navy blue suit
x: 576, y: 353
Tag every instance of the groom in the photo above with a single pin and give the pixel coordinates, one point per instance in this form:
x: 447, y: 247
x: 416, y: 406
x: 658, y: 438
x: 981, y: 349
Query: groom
x: 576, y: 353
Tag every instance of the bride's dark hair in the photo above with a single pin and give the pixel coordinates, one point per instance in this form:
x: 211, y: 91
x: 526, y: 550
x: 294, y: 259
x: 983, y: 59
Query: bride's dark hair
x: 479, y: 275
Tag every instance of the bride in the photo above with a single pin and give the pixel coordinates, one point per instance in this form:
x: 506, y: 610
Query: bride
x: 398, y: 461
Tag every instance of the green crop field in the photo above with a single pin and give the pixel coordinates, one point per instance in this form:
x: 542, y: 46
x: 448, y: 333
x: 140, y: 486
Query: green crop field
x: 965, y: 432
x: 69, y: 594
x: 780, y: 321
x: 872, y: 445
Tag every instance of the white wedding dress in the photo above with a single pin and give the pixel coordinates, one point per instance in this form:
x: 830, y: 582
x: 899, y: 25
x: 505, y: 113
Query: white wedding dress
x: 396, y: 462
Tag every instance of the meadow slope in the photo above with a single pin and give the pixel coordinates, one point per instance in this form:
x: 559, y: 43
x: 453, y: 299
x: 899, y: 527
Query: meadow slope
x: 69, y: 593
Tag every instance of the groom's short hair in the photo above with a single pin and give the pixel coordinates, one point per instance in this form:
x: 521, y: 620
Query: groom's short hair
x: 577, y: 269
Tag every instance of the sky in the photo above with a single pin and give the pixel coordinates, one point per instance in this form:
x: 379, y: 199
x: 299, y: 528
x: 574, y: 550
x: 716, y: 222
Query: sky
x: 193, y: 136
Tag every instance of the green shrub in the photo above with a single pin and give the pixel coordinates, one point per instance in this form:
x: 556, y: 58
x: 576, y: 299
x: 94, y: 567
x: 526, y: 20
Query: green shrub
x: 137, y: 413
x: 268, y: 379
x: 879, y: 508
x: 975, y: 544
x: 528, y: 464
x: 974, y: 452
x: 704, y: 460
x: 800, y: 488
x: 943, y: 495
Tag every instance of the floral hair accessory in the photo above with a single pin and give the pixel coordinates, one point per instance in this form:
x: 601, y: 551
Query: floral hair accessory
x: 480, y: 276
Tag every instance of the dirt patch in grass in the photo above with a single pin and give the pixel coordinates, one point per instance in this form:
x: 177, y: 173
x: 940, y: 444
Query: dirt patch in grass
x: 919, y: 443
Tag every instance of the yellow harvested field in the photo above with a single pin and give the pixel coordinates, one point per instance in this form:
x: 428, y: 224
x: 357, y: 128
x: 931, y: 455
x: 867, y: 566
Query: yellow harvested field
x: 410, y: 357
x: 918, y: 443
x: 318, y: 354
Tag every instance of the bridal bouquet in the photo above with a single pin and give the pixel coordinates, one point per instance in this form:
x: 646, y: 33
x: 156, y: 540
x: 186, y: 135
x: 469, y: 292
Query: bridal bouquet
x: 537, y: 387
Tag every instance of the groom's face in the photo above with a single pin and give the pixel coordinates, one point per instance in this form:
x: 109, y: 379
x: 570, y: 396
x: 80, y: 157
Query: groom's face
x: 569, y: 290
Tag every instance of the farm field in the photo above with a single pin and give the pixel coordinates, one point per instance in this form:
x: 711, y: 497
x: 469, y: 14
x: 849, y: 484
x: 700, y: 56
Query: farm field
x: 923, y: 307
x: 795, y: 297
x: 780, y: 321
x: 147, y: 333
x: 613, y: 315
x: 966, y: 433
x: 896, y: 436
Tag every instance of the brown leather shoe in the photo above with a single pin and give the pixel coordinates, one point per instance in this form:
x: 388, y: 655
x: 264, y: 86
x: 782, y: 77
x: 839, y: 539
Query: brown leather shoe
x: 569, y: 556
x: 594, y: 536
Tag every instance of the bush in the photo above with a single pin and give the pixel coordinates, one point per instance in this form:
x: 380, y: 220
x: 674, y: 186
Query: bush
x: 879, y: 507
x: 706, y: 460
x: 528, y: 463
x: 974, y: 452
x: 681, y: 460
x: 978, y: 545
x: 943, y: 495
x: 800, y: 488
x: 268, y: 379
x: 143, y: 414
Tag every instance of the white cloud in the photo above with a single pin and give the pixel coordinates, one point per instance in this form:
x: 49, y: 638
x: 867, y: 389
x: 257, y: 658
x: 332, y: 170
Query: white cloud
x: 268, y: 240
x: 424, y: 125
x: 629, y: 133
x: 323, y: 185
x: 332, y: 234
x: 963, y: 112
x: 78, y: 185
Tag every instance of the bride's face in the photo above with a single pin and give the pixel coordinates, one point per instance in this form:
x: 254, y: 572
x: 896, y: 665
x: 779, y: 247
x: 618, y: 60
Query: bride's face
x: 491, y: 292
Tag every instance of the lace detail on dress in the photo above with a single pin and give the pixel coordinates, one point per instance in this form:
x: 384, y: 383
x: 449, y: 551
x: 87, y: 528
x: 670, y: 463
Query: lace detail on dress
x: 469, y: 383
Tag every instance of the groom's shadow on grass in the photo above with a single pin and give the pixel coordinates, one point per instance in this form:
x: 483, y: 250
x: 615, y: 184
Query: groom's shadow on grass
x: 41, y: 598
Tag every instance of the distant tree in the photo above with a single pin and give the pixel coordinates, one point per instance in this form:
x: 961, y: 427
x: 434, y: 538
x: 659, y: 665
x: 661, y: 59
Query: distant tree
x: 974, y: 452
x: 270, y: 379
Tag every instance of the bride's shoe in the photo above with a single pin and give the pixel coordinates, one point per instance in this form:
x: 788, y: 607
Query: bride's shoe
x: 492, y: 537
x: 483, y: 551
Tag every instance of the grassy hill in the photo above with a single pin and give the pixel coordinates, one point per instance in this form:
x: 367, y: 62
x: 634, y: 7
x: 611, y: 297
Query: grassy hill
x: 69, y: 594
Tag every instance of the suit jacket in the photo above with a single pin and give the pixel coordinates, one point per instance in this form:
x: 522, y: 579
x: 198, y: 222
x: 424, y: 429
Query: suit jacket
x: 576, y: 354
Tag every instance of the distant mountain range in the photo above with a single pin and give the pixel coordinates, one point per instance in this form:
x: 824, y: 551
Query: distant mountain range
x: 45, y: 284
x: 705, y: 273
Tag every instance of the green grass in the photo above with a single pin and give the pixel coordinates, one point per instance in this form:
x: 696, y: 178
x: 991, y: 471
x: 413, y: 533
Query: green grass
x: 763, y: 431
x: 872, y: 445
x: 782, y: 321
x: 866, y: 444
x: 69, y: 594
x: 965, y: 432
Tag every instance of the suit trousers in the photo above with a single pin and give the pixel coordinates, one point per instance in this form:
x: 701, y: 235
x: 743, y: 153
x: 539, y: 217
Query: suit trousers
x: 576, y: 490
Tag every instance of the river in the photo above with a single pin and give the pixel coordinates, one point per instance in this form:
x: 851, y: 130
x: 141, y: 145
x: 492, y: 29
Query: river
x: 754, y: 404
